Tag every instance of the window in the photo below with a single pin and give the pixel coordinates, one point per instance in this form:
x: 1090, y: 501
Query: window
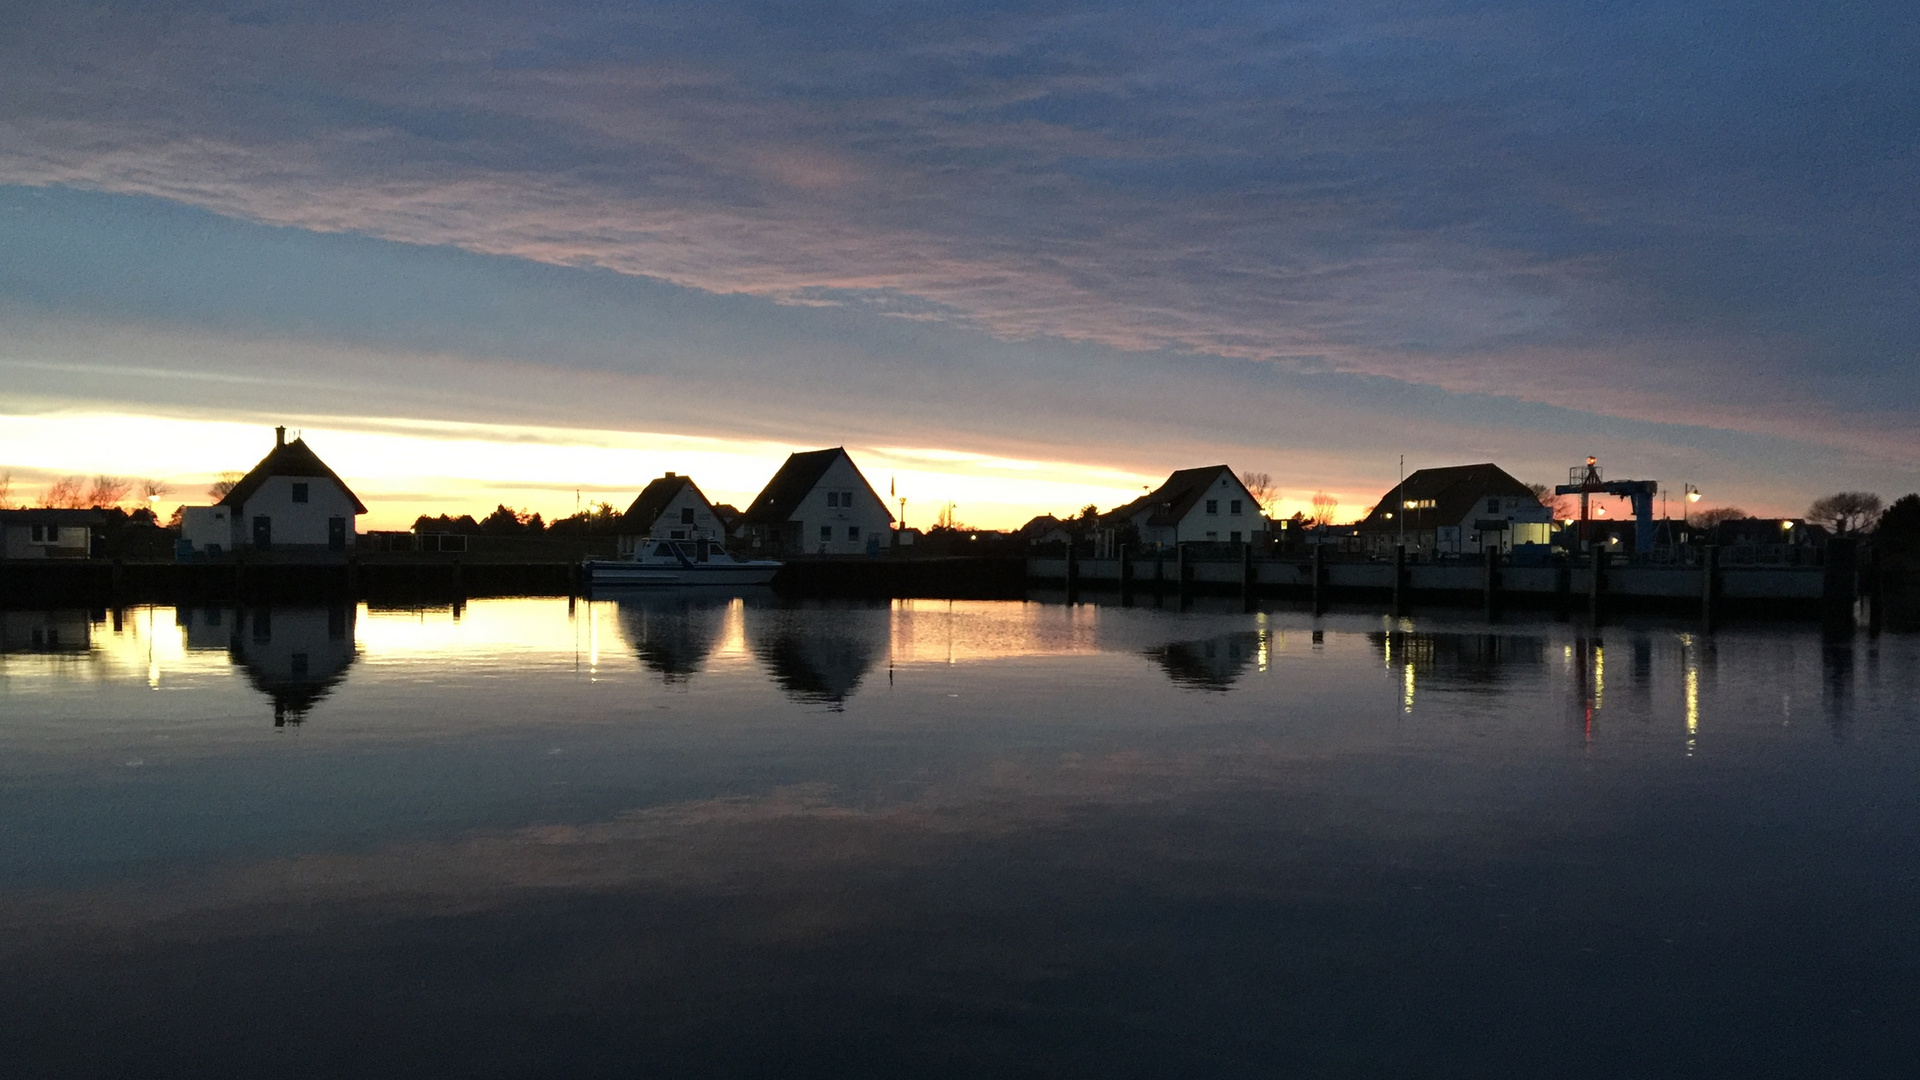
x: 677, y: 534
x: 1417, y: 504
x: 1234, y: 508
x: 833, y: 499
x: 686, y: 515
x: 846, y: 500
x: 853, y: 533
x: 300, y: 493
x: 1234, y: 536
x: 1213, y: 506
x: 1213, y: 535
x: 39, y: 534
x: 826, y: 533
x: 1493, y: 506
x: 663, y: 549
x: 298, y: 665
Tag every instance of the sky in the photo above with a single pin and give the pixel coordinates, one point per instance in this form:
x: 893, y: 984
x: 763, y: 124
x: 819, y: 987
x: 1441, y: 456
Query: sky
x: 1022, y: 258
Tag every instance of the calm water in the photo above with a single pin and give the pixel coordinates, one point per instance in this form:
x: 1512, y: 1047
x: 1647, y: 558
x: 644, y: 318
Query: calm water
x: 721, y: 836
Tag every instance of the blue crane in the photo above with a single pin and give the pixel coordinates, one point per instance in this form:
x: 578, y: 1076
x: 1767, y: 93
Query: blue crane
x: 1587, y: 482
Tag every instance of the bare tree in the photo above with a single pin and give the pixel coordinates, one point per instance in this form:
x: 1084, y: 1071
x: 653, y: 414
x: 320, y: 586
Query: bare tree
x: 6, y: 490
x: 66, y: 493
x: 1711, y: 518
x: 152, y: 491
x: 108, y: 491
x: 1325, y: 507
x: 226, y: 483
x: 1847, y: 511
x: 946, y: 519
x: 1544, y: 494
x: 1260, y: 486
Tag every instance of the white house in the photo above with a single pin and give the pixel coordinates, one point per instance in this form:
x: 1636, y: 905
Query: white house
x: 1457, y: 509
x: 817, y: 504
x: 1205, y: 504
x: 291, y: 499
x: 670, y: 508
x: 48, y: 534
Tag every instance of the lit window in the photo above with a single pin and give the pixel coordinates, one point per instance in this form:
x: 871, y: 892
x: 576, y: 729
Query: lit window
x: 1234, y: 508
x: 1213, y: 506
x: 1418, y: 504
x: 299, y: 493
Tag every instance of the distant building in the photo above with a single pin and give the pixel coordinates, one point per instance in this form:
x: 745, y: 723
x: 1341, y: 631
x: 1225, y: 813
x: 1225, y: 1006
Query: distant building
x: 670, y: 508
x: 1460, y: 509
x: 1045, y: 529
x: 1206, y: 504
x: 817, y: 504
x: 290, y: 500
x: 49, y: 534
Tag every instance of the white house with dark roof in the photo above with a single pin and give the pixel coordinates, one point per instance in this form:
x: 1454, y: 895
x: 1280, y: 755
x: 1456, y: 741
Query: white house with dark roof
x: 670, y: 508
x: 817, y: 504
x: 290, y: 500
x: 1207, y: 504
x: 1458, y: 509
x: 48, y: 534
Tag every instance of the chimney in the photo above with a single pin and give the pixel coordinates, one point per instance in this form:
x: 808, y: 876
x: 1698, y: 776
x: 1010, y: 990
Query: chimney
x: 672, y: 475
x: 280, y: 435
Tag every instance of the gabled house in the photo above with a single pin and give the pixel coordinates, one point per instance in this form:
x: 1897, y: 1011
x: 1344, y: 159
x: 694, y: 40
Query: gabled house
x: 290, y: 500
x: 817, y: 504
x: 1460, y: 509
x: 1205, y: 504
x: 670, y: 508
x: 48, y: 533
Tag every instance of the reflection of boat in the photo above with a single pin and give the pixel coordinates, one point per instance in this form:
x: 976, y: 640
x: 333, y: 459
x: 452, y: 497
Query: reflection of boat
x: 680, y: 562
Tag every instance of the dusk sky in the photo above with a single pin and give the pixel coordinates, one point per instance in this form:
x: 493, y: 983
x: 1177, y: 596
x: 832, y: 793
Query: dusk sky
x: 1020, y: 257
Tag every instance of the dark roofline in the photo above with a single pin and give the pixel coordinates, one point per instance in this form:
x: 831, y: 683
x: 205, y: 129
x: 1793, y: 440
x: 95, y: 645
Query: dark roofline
x: 653, y: 500
x: 1453, y: 502
x: 287, y: 459
x: 1174, y: 499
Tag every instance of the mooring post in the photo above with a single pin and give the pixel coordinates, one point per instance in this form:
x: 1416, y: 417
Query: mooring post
x: 1492, y: 587
x: 1073, y: 573
x: 1400, y: 579
x: 1709, y: 583
x: 1126, y: 574
x: 458, y: 584
x: 1319, y: 578
x: 1871, y: 587
x: 353, y: 577
x: 1840, y: 585
x: 1180, y: 569
x: 119, y: 575
x: 1246, y: 571
x: 1597, y: 583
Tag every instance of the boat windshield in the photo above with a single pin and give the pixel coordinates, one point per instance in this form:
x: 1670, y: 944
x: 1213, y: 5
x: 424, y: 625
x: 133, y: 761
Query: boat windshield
x: 664, y: 550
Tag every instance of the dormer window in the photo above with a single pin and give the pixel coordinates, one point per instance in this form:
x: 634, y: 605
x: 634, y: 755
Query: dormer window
x: 299, y: 493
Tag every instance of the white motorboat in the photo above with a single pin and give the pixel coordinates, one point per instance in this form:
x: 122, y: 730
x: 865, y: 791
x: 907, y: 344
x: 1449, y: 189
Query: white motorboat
x: 680, y: 562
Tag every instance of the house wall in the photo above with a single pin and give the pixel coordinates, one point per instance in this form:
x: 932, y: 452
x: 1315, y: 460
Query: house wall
x: 1221, y: 525
x: 294, y: 524
x: 868, y: 515
x: 72, y: 542
x: 206, y: 527
x: 671, y: 524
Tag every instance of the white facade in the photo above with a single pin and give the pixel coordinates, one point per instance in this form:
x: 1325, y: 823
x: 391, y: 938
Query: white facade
x: 687, y: 516
x: 1225, y: 513
x: 842, y: 515
x: 298, y: 511
x: 42, y: 540
x: 209, y: 529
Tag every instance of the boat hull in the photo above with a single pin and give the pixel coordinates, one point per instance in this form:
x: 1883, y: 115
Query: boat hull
x: 604, y: 572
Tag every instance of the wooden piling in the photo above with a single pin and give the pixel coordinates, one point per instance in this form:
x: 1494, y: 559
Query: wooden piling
x: 1247, y: 579
x: 1709, y: 583
x: 1597, y: 583
x: 1073, y: 574
x: 1400, y: 579
x: 1319, y: 578
x: 1126, y: 575
x: 1491, y: 588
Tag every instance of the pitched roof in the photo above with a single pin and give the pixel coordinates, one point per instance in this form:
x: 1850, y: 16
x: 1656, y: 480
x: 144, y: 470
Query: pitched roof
x: 48, y: 515
x: 801, y: 474
x: 652, y: 502
x: 727, y: 513
x: 1455, y: 490
x: 286, y: 459
x: 1171, y: 501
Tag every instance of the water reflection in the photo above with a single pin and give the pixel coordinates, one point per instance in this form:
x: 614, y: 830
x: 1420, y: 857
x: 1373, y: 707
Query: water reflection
x: 293, y: 655
x: 1214, y: 663
x: 819, y: 655
x: 65, y: 631
x: 673, y: 632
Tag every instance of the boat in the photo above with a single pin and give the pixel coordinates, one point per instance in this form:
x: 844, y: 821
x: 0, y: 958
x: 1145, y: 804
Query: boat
x: 680, y: 562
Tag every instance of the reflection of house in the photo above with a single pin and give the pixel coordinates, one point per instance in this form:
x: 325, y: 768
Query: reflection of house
x: 1455, y: 510
x: 1460, y: 659
x: 1213, y: 664
x: 674, y: 631
x: 816, y: 655
x: 818, y: 503
x: 294, y: 655
x: 48, y: 534
x: 290, y: 499
x: 1207, y: 504
x: 670, y: 508
x: 45, y: 631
